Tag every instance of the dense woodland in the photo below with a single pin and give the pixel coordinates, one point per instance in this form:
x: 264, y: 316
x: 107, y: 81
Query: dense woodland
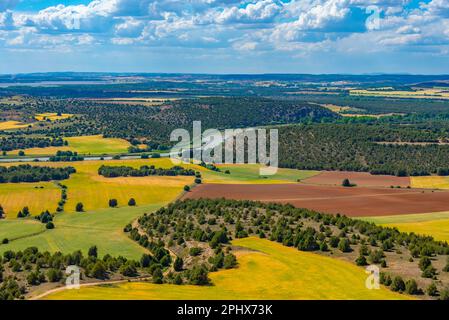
x: 28, y: 173
x: 199, y: 233
x: 355, y: 148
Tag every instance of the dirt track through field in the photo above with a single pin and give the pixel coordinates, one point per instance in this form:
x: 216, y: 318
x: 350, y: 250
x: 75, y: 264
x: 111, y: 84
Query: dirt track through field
x: 356, y: 202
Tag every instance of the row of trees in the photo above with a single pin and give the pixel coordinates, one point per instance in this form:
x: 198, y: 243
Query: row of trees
x: 124, y: 171
x: 28, y: 173
x: 22, y: 142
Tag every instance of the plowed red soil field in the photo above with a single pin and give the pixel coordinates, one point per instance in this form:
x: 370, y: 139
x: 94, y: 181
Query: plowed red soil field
x: 356, y: 202
x: 361, y: 179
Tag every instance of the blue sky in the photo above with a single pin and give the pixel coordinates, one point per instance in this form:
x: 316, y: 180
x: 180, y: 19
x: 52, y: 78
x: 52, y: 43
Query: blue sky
x: 225, y: 36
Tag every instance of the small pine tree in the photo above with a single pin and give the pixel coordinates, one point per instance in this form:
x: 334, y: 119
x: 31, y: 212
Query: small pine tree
x: 432, y: 290
x: 178, y: 264
x: 132, y: 202
x: 113, y: 203
x: 79, y: 207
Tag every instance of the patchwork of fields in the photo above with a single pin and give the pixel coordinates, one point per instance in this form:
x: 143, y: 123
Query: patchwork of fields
x: 267, y: 270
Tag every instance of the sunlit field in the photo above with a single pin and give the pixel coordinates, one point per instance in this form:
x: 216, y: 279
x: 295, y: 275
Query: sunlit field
x: 52, y: 116
x: 433, y: 224
x: 86, y: 145
x: 266, y: 270
x: 78, y: 231
x: 430, y: 182
x: 7, y: 125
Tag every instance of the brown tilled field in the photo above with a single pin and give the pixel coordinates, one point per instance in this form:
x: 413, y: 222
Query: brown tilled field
x: 361, y: 179
x: 356, y: 202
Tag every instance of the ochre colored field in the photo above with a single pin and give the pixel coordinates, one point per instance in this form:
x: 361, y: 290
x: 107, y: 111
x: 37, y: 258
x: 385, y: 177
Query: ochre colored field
x: 93, y: 190
x: 356, y: 202
x: 417, y: 94
x: 250, y: 174
x: 84, y: 145
x: 52, y: 116
x: 268, y: 271
x: 15, y: 196
x: 431, y: 182
x: 433, y: 224
x: 7, y: 125
x: 361, y: 179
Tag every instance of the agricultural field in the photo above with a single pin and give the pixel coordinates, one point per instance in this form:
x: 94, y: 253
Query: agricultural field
x: 50, y: 116
x: 39, y: 196
x: 419, y: 93
x: 249, y: 173
x: 93, y: 190
x: 103, y: 228
x: 10, y: 125
x: 360, y: 179
x: 433, y: 224
x: 266, y: 270
x: 355, y: 201
x: 430, y: 182
x: 85, y: 145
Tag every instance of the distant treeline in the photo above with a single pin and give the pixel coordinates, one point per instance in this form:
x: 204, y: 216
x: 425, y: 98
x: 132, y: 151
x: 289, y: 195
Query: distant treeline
x: 28, y: 173
x: 15, y: 143
x: 124, y: 171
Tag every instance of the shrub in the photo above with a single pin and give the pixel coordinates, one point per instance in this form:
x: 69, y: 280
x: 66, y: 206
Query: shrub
x: 230, y: 261
x: 343, y: 245
x: 54, y: 275
x: 79, y: 207
x: 398, y: 284
x: 50, y: 225
x: 411, y: 287
x: 444, y: 294
x: 5, y: 241
x: 178, y: 264
x: 113, y: 203
x: 132, y: 202
x: 361, y: 261
x: 432, y: 290
x: 186, y: 188
x: 194, y: 251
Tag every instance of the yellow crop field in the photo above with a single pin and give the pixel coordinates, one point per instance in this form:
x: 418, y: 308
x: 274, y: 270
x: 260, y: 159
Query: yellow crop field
x: 93, y: 190
x: 8, y: 125
x: 52, y: 116
x: 433, y: 224
x: 434, y: 93
x: 38, y: 197
x: 431, y: 182
x: 267, y: 270
x: 84, y: 145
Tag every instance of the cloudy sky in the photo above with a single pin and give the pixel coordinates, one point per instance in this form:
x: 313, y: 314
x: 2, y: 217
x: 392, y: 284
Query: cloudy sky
x: 225, y: 36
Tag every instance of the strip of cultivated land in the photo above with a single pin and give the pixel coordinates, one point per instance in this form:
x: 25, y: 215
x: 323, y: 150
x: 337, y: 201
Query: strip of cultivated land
x: 356, y: 202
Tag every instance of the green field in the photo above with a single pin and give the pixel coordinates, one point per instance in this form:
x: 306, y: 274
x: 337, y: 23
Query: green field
x: 249, y: 173
x: 267, y: 270
x: 433, y: 224
x: 103, y: 228
x: 86, y: 145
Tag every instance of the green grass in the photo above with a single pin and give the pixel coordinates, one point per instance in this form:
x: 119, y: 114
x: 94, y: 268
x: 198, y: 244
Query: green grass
x: 433, y: 224
x: 249, y: 173
x: 86, y: 145
x: 78, y: 231
x: 267, y: 270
